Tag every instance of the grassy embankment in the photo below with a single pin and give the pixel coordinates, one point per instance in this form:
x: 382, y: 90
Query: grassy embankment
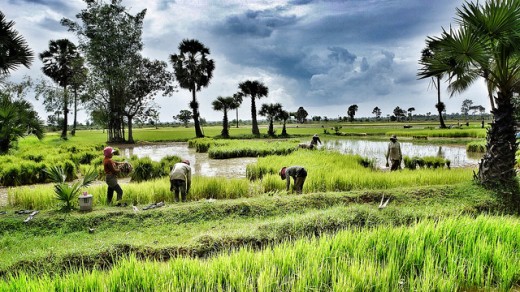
x: 426, y: 239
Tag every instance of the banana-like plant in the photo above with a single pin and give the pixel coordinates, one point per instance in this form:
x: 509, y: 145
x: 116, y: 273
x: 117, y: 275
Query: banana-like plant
x: 66, y: 193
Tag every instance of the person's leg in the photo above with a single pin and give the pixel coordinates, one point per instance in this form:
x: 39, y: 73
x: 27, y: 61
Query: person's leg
x: 298, y: 184
x: 119, y: 192
x: 395, y: 165
x: 110, y: 194
x: 176, y: 190
x: 182, y: 188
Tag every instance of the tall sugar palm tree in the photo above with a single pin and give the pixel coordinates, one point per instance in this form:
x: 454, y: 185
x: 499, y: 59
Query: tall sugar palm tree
x: 486, y: 45
x: 238, y: 97
x: 193, y: 71
x: 224, y: 104
x: 14, y: 50
x: 254, y: 89
x: 271, y: 112
x: 58, y: 64
x: 427, y: 55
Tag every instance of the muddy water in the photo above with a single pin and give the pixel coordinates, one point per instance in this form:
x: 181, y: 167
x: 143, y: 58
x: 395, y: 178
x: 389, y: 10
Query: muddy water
x: 377, y: 149
x: 200, y: 163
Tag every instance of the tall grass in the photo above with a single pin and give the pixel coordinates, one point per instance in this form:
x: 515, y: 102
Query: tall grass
x: 456, y: 253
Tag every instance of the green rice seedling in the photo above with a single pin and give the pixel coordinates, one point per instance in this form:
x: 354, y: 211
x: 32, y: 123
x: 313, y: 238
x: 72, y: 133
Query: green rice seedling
x: 476, y: 146
x: 146, y: 169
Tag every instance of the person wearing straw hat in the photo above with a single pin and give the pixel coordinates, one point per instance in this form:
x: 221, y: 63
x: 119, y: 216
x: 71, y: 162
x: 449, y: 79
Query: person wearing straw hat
x: 111, y: 168
x: 180, y: 180
x: 298, y: 173
x: 394, y: 154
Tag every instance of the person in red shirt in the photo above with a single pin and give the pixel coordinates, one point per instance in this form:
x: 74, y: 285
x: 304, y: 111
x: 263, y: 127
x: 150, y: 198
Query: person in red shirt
x: 111, y: 170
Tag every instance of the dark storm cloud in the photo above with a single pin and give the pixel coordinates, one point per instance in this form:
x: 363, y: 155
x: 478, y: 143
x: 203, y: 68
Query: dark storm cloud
x: 55, y: 5
x: 254, y: 23
x: 51, y: 24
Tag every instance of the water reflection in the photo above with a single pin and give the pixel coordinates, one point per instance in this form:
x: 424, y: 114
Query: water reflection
x: 377, y: 149
x: 236, y: 167
x: 200, y: 163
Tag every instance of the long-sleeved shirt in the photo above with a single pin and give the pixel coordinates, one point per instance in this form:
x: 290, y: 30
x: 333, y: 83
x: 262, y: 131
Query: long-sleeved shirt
x: 181, y: 171
x: 110, y: 166
x: 394, y: 151
x: 294, y: 172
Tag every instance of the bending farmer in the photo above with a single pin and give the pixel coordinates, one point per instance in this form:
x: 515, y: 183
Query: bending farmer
x: 180, y: 180
x: 298, y: 173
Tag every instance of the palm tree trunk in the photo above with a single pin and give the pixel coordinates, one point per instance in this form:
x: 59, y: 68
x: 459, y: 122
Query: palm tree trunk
x: 73, y: 132
x: 225, y: 131
x: 237, y: 118
x: 497, y: 167
x: 271, y: 128
x: 255, y: 130
x: 284, y: 130
x: 130, y: 132
x: 195, y: 107
x: 65, y: 113
x: 441, y: 119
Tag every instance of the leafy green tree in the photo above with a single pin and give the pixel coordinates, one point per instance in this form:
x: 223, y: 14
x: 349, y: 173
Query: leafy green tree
x: 351, y: 112
x: 151, y: 78
x: 377, y: 111
x: 486, y: 45
x: 253, y: 89
x: 193, y: 70
x: 399, y: 113
x: 464, y: 110
x: 110, y: 38
x: 13, y: 48
x: 271, y: 112
x: 58, y: 65
x: 224, y: 104
x: 17, y: 116
x: 301, y: 115
x: 184, y: 116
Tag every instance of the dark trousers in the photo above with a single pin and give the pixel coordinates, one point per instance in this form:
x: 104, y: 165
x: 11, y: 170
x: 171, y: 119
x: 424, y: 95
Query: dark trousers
x: 396, y: 164
x: 110, y: 193
x: 298, y: 184
x: 178, y: 186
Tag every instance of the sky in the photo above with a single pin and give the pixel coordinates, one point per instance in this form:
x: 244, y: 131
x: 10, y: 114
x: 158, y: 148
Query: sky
x: 322, y: 55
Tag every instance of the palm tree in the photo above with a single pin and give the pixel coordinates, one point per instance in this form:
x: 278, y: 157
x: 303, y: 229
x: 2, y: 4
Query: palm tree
x: 351, y: 111
x: 410, y: 111
x: 17, y: 119
x: 238, y: 97
x: 193, y: 70
x: 224, y: 104
x: 377, y: 111
x: 254, y: 89
x: 487, y: 45
x: 271, y: 112
x: 58, y: 65
x: 427, y: 55
x: 283, y: 116
x: 77, y: 83
x: 14, y: 50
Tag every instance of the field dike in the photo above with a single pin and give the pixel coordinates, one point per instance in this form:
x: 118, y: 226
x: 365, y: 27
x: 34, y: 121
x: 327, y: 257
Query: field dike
x: 289, y: 218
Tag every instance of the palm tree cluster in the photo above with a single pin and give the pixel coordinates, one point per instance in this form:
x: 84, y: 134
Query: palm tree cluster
x: 485, y: 45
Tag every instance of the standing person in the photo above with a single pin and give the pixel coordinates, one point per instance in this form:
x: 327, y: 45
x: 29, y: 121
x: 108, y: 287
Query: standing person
x: 180, y: 179
x: 111, y: 170
x: 315, y: 140
x: 394, y: 154
x: 298, y: 173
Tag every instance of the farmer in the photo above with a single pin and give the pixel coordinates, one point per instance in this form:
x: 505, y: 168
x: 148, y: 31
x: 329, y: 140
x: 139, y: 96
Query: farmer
x: 111, y: 170
x: 180, y: 179
x: 298, y: 173
x: 315, y: 140
x: 394, y: 154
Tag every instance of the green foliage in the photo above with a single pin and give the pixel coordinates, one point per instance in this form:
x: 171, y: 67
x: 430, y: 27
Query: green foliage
x: 476, y: 146
x: 427, y: 162
x: 65, y: 193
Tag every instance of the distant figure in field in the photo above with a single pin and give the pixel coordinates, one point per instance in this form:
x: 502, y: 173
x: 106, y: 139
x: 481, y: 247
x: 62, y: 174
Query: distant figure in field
x: 180, y: 180
x: 394, y: 154
x: 312, y: 145
x: 298, y: 173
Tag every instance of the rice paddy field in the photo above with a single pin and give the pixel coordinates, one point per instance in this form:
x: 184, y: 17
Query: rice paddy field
x: 439, y: 231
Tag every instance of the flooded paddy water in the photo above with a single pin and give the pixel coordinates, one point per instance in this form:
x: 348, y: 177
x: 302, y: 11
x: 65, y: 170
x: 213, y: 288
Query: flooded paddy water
x: 236, y: 167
